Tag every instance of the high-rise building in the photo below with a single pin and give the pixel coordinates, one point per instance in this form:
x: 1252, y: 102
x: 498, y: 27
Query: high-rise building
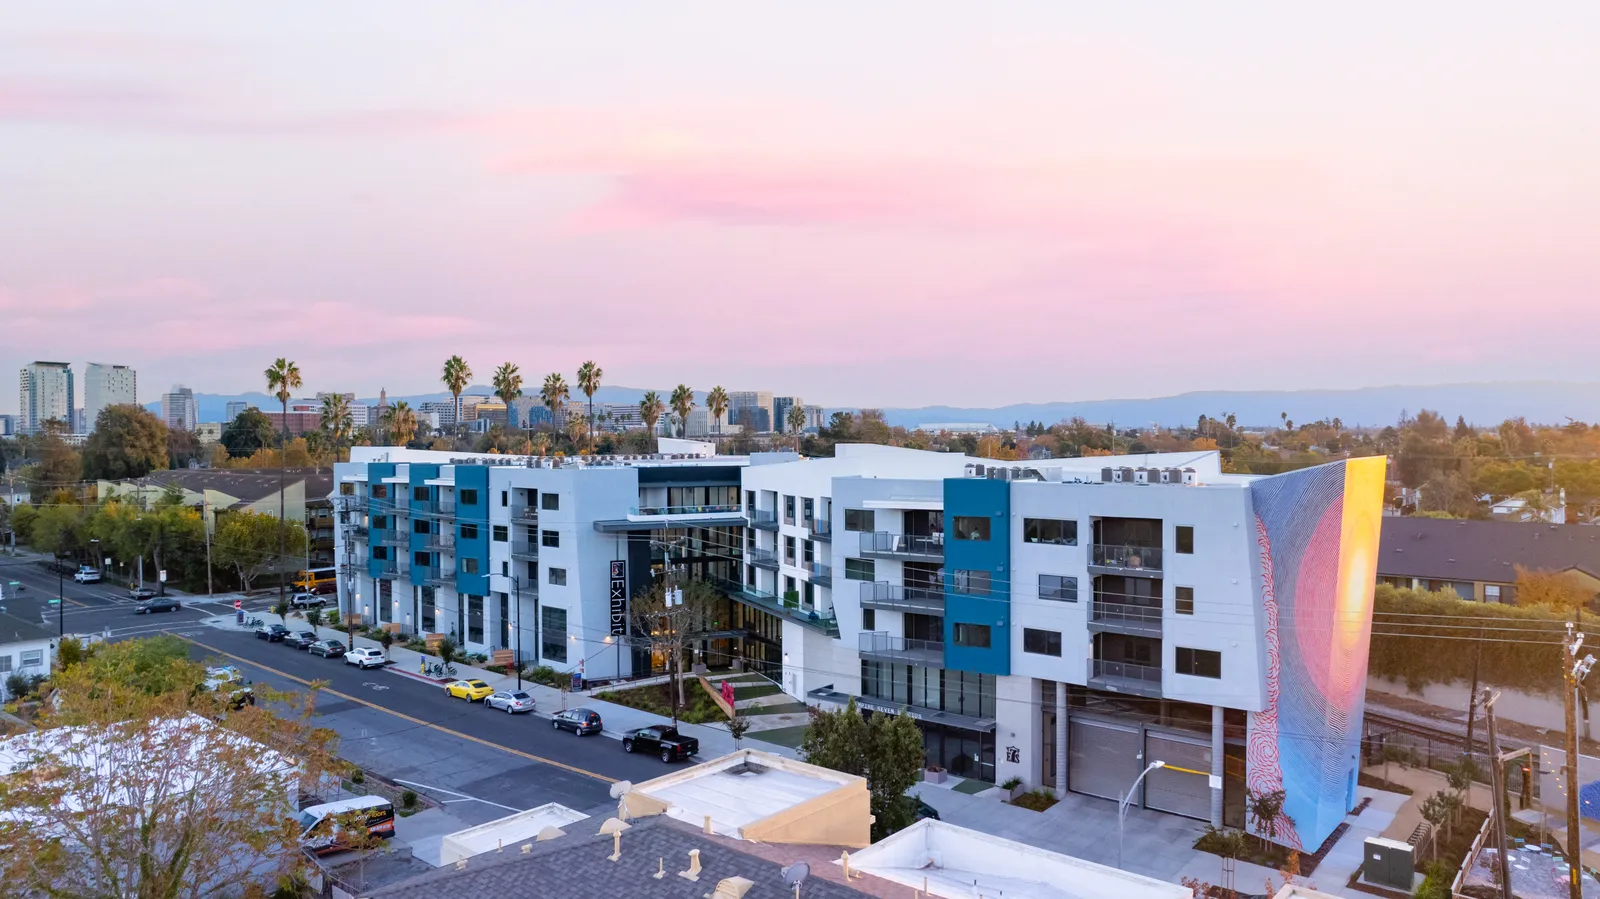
x: 780, y: 411
x: 47, y: 393
x: 8, y: 425
x: 107, y: 385
x: 178, y: 409
x: 814, y: 420
x: 752, y: 409
x: 236, y: 408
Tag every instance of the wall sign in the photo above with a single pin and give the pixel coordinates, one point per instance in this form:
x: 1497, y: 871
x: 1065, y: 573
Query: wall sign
x: 619, y: 597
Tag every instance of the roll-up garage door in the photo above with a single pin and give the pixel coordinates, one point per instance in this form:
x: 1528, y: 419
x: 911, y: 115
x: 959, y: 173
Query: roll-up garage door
x: 1102, y: 758
x: 1179, y: 792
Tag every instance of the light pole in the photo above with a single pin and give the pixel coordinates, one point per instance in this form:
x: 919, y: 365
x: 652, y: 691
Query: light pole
x: 517, y: 586
x: 1122, y: 806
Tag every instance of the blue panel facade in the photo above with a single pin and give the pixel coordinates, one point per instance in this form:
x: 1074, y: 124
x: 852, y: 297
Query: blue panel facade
x: 421, y: 510
x: 380, y: 511
x: 966, y: 499
x: 472, y: 483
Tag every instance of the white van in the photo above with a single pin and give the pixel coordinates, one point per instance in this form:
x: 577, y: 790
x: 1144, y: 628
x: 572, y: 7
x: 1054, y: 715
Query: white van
x: 321, y: 832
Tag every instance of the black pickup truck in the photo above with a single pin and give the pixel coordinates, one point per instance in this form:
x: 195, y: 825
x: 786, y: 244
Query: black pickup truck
x: 663, y: 740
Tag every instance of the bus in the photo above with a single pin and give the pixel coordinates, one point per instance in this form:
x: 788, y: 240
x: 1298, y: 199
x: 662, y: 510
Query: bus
x: 317, y: 580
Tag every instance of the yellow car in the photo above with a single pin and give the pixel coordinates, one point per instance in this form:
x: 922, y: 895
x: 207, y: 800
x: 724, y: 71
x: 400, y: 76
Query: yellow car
x: 470, y: 690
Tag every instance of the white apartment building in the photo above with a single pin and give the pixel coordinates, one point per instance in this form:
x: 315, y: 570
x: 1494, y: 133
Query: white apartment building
x: 1066, y: 622
x: 178, y: 409
x: 701, y: 424
x: 107, y: 385
x: 46, y: 393
x: 439, y: 414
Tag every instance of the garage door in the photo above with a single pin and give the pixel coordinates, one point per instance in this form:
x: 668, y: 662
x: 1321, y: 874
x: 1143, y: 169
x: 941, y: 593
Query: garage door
x: 1102, y: 758
x: 1179, y: 792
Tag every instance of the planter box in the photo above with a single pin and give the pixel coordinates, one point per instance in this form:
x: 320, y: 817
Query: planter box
x: 935, y: 777
x: 1014, y: 792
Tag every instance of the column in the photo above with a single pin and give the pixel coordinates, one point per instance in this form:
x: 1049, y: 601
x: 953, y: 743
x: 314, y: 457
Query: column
x: 1216, y: 766
x: 1061, y: 739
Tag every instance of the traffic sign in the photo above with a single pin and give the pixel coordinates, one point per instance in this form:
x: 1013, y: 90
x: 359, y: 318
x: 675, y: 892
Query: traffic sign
x: 55, y: 602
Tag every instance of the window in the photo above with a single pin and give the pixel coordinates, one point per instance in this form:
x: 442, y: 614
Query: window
x: 1491, y: 592
x: 474, y: 619
x: 788, y: 510
x: 469, y: 565
x: 5, y: 664
x: 972, y: 527
x: 380, y: 491
x: 550, y: 538
x: 420, y: 526
x: 505, y: 498
x: 1043, y: 643
x: 808, y: 553
x: 422, y: 560
x: 501, y: 533
x: 789, y: 587
x: 469, y: 532
x: 505, y: 569
x: 347, y: 489
x: 380, y: 522
x: 858, y: 520
x: 975, y: 636
x: 1199, y: 662
x: 419, y: 494
x: 1053, y: 531
x: 553, y: 634
x: 1185, y: 540
x: 869, y: 619
x: 788, y: 550
x: 428, y: 623
x: 808, y: 508
x: 808, y: 593
x: 468, y: 496
x: 860, y: 570
x: 381, y: 553
x: 1183, y: 600
x: 1058, y: 588
x: 558, y: 577
x: 975, y: 583
x: 550, y: 502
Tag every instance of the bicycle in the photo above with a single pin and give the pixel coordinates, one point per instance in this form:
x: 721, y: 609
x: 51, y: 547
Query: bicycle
x: 442, y: 670
x: 253, y: 622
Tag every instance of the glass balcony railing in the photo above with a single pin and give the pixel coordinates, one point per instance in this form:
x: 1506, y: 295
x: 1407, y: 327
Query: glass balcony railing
x: 907, y: 649
x: 723, y: 509
x: 900, y: 598
x: 525, y: 513
x: 441, y: 542
x: 765, y: 519
x: 902, y: 546
x: 525, y: 550
x: 439, y: 577
x: 1125, y: 671
x: 762, y: 558
x: 1127, y: 558
x: 819, y: 528
x: 820, y: 574
x: 1119, y: 607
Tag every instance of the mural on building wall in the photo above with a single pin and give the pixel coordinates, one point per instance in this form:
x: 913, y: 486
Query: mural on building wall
x: 1317, y: 550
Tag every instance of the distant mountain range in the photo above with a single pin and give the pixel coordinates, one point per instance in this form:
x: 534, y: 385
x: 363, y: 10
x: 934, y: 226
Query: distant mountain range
x: 1551, y: 402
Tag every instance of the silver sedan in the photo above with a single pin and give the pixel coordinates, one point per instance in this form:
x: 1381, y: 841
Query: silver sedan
x: 510, y: 701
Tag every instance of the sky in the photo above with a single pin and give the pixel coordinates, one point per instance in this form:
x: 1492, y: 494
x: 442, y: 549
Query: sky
x: 869, y: 204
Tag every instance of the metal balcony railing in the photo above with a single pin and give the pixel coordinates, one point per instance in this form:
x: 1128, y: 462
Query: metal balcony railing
x: 1128, y: 671
x: 525, y: 513
x: 1122, y: 607
x: 444, y: 507
x: 1125, y: 557
x: 525, y: 550
x: 439, y: 577
x: 394, y: 538
x: 905, y: 649
x: 355, y: 532
x: 722, y: 509
x: 819, y: 528
x: 902, y: 546
x: 763, y: 558
x: 442, y: 542
x: 899, y: 598
x: 820, y: 574
x: 765, y: 519
x: 386, y: 568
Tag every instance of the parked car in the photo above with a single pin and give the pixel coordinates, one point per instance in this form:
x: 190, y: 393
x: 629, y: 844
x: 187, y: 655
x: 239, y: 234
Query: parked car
x: 141, y: 593
x: 327, y: 648
x: 87, y: 576
x: 301, y: 639
x: 579, y: 721
x: 272, y: 633
x: 157, y: 604
x: 308, y: 601
x: 925, y: 810
x: 661, y: 739
x: 366, y: 657
x: 511, y: 701
x: 470, y: 690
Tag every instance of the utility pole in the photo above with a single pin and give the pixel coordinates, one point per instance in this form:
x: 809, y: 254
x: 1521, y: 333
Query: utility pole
x: 205, y: 523
x: 1573, y: 673
x: 1497, y: 782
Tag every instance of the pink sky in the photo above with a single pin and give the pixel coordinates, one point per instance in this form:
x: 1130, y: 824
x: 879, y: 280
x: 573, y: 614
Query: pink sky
x: 905, y: 204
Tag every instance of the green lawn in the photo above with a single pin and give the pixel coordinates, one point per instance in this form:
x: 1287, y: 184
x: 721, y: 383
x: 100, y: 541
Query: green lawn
x: 657, y: 698
x: 782, y: 708
x: 756, y: 691
x: 791, y: 737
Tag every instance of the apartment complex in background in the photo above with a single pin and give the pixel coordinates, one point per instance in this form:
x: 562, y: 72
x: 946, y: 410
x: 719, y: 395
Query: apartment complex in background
x: 700, y: 424
x: 304, y: 417
x: 178, y: 409
x: 47, y: 392
x: 780, y: 411
x: 107, y: 385
x: 752, y: 410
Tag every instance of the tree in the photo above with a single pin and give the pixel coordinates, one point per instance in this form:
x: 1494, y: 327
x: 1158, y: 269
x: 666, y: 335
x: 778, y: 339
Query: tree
x: 1552, y: 590
x: 251, y: 543
x: 250, y: 432
x: 651, y: 408
x: 717, y: 405
x: 128, y: 442
x: 796, y: 420
x: 682, y: 401
x: 737, y: 726
x: 60, y: 529
x: 1463, y: 431
x: 184, y: 447
x: 445, y: 649
x: 589, y: 376
x: 554, y: 395
x: 314, y: 619
x: 1266, y: 813
x: 507, y: 383
x: 670, y: 622
x: 401, y: 423
x: 887, y: 751
x: 337, y: 422
x: 283, y: 378
x: 59, y: 465
x: 456, y: 376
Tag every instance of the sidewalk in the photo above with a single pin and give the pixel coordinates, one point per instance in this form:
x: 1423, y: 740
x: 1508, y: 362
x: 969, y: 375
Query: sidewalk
x: 714, y: 740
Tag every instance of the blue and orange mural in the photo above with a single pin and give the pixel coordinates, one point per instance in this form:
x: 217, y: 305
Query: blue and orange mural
x: 1317, y: 555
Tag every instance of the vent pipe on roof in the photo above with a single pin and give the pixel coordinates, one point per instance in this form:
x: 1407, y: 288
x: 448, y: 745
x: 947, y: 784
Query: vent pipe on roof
x: 615, y: 827
x: 694, y: 866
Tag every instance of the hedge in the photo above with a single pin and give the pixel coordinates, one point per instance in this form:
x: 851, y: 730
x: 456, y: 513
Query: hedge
x: 1421, y: 637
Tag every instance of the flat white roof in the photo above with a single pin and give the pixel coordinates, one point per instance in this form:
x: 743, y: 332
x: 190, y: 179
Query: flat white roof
x: 737, y: 798
x: 506, y: 832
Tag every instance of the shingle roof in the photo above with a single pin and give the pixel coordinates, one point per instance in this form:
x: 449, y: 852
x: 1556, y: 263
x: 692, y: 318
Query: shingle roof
x: 1447, y: 549
x: 577, y: 866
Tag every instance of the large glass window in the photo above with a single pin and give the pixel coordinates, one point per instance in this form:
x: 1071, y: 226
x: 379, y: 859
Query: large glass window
x: 550, y: 538
x: 505, y: 621
x: 859, y: 569
x: 1185, y: 540
x: 1044, y: 643
x: 422, y: 559
x: 553, y: 634
x: 380, y: 491
x: 788, y: 550
x: 788, y: 510
x: 1058, y: 588
x: 469, y: 565
x: 468, y: 496
x: 1199, y: 662
x: 474, y: 619
x: 1054, y: 531
x: 973, y: 583
x: 858, y: 520
x: 973, y: 635
x: 420, y: 526
x: 550, y: 502
x: 558, y: 577
x: 972, y: 527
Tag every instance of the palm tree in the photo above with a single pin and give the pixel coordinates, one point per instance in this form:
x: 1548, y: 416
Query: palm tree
x: 589, y: 376
x: 283, y: 379
x: 796, y: 419
x: 717, y: 402
x: 554, y: 394
x: 507, y: 383
x: 651, y: 408
x: 682, y: 402
x: 336, y: 421
x: 401, y: 423
x: 457, y: 375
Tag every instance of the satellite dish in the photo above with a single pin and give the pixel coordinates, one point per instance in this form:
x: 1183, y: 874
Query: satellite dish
x: 795, y: 874
x: 620, y: 788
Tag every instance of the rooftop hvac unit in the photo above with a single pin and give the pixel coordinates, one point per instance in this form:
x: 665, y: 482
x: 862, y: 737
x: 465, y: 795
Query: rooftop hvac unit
x: 1141, y: 476
x: 1189, y: 477
x: 1388, y: 863
x: 977, y: 470
x: 1106, y: 476
x: 1172, y: 476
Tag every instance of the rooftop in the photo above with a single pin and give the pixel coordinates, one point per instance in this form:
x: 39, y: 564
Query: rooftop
x: 1449, y: 549
x: 247, y: 485
x: 673, y: 452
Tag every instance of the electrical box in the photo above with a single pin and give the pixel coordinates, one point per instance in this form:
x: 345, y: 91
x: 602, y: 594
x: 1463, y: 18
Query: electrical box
x: 1389, y: 863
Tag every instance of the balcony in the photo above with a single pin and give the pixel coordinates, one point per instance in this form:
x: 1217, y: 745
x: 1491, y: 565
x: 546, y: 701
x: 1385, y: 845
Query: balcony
x: 385, y: 569
x: 763, y: 519
x: 355, y: 532
x: 1141, y: 561
x: 1125, y: 677
x: 525, y: 550
x: 885, y: 647
x: 1120, y: 613
x: 524, y: 514
x: 897, y: 598
x: 394, y: 538
x: 445, y: 508
x: 762, y: 558
x: 880, y: 545
x: 820, y: 529
x: 820, y: 574
x: 678, y: 511
x: 439, y: 577
x: 441, y: 542
x: 823, y: 621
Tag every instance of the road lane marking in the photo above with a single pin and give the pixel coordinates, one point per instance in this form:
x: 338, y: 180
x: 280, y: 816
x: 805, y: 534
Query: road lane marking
x: 401, y: 715
x: 464, y: 797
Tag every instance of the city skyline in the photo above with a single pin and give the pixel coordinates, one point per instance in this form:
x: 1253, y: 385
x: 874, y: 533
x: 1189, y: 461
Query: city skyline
x: 1068, y: 204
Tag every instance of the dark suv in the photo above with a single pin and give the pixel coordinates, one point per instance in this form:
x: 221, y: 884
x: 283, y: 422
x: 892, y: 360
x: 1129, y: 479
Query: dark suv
x: 579, y: 721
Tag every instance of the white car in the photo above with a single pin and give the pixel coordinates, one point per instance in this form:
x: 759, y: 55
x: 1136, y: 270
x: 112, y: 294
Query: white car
x: 366, y: 658
x: 87, y: 576
x: 510, y: 701
x: 307, y: 601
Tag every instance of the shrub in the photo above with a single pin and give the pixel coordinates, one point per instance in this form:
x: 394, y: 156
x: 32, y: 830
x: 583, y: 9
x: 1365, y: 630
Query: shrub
x: 547, y: 676
x: 1417, y: 650
x: 17, y: 686
x: 358, y: 776
x: 1011, y: 783
x: 408, y: 799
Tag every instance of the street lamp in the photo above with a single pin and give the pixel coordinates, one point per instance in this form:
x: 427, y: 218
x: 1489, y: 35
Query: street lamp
x: 517, y: 586
x: 1122, y: 806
